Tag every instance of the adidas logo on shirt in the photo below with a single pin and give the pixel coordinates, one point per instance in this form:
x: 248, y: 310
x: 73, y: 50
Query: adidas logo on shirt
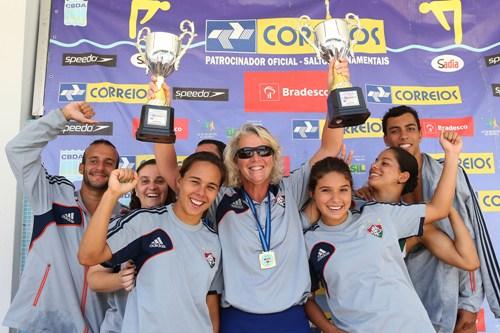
x: 157, y: 242
x: 322, y: 254
x: 68, y: 217
x: 238, y: 204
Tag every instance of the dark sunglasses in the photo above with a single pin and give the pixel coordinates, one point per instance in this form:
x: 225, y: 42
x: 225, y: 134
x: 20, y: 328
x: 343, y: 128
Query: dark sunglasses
x: 247, y: 152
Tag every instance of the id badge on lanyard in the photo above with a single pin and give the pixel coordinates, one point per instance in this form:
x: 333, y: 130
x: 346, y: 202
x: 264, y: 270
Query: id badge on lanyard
x: 267, y: 258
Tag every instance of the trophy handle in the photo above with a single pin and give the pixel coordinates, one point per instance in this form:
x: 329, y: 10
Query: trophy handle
x: 304, y: 24
x: 350, y: 17
x: 141, y: 43
x: 187, y: 28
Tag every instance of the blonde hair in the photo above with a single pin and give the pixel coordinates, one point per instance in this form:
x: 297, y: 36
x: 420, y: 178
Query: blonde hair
x: 233, y: 172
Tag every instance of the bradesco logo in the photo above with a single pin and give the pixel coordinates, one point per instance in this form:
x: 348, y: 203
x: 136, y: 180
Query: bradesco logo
x: 201, y: 94
x: 431, y: 127
x: 489, y: 201
x: 447, y: 63
x: 280, y: 36
x: 298, y: 91
x: 474, y: 163
x: 88, y: 59
x: 413, y: 95
x: 181, y: 127
x: 74, y: 128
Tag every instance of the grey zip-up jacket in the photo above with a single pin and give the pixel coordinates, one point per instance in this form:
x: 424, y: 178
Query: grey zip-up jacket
x: 53, y: 295
x: 442, y: 288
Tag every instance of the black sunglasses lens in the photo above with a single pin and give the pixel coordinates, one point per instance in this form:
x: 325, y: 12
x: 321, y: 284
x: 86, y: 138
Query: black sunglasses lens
x: 264, y: 151
x: 247, y: 152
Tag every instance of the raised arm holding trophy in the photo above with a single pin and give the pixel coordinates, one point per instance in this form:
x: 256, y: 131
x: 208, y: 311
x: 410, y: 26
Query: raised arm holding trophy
x: 162, y: 52
x: 346, y: 104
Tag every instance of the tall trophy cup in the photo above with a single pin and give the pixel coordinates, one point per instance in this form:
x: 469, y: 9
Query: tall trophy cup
x: 162, y: 52
x: 346, y: 104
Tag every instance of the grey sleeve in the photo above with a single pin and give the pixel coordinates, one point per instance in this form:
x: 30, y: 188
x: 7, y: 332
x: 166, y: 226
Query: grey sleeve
x: 471, y: 293
x: 408, y: 220
x: 124, y: 238
x: 24, y: 156
x: 297, y: 184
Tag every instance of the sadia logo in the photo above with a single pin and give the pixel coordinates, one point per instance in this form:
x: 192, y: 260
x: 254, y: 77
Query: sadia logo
x: 305, y: 129
x: 432, y: 127
x: 474, y: 163
x: 280, y: 36
x: 88, y: 59
x: 489, y: 201
x: 137, y: 61
x: 230, y: 36
x: 201, y: 94
x: 74, y: 128
x: 413, y: 95
x: 447, y: 63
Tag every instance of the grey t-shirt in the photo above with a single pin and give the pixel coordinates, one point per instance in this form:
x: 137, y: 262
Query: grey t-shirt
x: 177, y: 266
x: 247, y: 286
x: 362, y: 269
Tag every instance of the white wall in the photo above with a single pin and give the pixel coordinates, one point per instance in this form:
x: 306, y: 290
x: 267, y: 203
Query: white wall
x: 19, y: 25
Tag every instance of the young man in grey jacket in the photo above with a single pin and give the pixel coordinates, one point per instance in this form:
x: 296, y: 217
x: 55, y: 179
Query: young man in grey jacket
x: 53, y: 295
x: 451, y: 296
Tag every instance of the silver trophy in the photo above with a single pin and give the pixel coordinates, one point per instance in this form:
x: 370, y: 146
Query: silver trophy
x: 161, y: 52
x: 346, y: 104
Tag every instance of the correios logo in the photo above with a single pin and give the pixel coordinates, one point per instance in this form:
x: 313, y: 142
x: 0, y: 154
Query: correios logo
x: 447, y: 63
x: 489, y: 201
x: 279, y: 35
x: 413, y: 95
x: 474, y: 163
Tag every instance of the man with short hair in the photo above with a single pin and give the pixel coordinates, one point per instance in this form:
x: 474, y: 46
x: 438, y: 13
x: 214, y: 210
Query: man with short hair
x: 451, y: 296
x: 53, y: 295
x: 212, y: 146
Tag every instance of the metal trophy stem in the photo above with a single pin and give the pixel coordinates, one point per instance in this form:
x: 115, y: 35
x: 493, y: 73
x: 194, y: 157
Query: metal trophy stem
x: 162, y: 52
x: 346, y: 105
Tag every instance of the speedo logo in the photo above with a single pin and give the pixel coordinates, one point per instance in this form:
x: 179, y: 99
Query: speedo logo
x: 201, y: 94
x: 88, y: 59
x: 74, y: 128
x: 280, y: 36
x: 474, y: 163
x: 103, y: 92
x: 413, y: 95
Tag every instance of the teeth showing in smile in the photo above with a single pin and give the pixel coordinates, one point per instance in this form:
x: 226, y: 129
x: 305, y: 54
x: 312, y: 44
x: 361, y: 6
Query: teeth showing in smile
x: 256, y: 168
x: 196, y: 202
x: 405, y: 146
x: 152, y: 195
x: 334, y: 207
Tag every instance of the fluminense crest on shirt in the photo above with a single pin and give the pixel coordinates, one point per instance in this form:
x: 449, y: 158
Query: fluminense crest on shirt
x: 376, y: 230
x: 210, y: 259
x: 280, y: 199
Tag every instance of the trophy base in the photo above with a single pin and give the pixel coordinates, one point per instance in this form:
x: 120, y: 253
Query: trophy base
x: 346, y: 107
x: 156, y: 124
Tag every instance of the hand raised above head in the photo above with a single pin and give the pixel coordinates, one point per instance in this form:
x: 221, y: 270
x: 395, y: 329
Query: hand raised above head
x: 79, y: 111
x: 154, y: 90
x: 451, y: 142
